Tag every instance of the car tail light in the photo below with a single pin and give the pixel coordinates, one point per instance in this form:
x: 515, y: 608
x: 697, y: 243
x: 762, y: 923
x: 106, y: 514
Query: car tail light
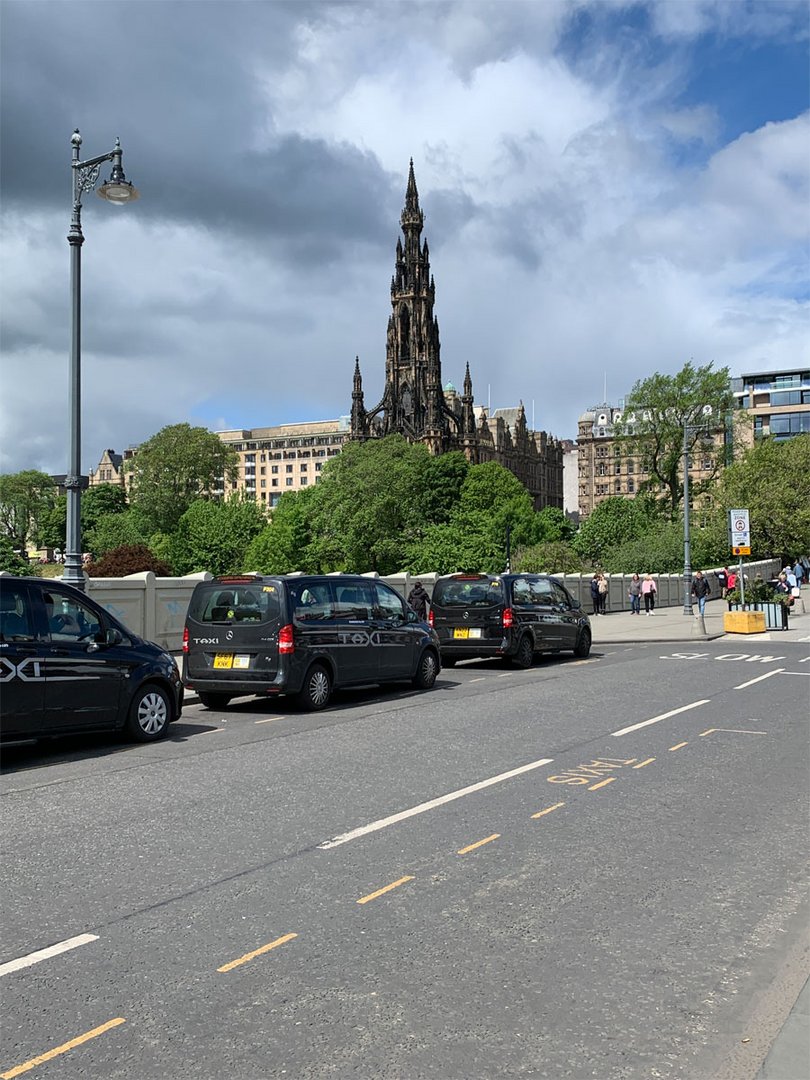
x: 185, y: 639
x: 430, y: 617
x: 507, y: 618
x: 285, y: 639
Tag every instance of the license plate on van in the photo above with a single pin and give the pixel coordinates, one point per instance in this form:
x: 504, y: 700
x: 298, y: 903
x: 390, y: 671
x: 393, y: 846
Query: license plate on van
x: 467, y: 632
x: 223, y: 660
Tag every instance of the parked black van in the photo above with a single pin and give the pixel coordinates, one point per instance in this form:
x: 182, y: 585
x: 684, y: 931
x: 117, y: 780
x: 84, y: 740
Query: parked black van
x: 507, y: 615
x: 302, y: 635
x: 68, y: 666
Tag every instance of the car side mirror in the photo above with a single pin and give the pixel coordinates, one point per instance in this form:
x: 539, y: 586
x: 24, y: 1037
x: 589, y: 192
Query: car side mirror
x: 412, y: 617
x: 575, y: 604
x: 113, y: 637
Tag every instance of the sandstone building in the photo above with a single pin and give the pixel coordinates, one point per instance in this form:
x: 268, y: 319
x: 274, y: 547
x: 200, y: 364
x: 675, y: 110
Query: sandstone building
x: 414, y: 402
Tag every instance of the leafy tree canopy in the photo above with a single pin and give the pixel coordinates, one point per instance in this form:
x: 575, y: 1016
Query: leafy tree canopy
x: 660, y: 550
x: 285, y: 544
x: 176, y: 467
x: 26, y: 499
x: 553, y: 526
x: 653, y: 421
x: 548, y: 557
x: 116, y: 530
x: 12, y: 562
x: 96, y: 502
x: 215, y: 536
x: 612, y: 522
x: 772, y: 482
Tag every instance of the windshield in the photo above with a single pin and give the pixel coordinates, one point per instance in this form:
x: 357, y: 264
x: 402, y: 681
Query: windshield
x: 235, y: 604
x: 466, y: 592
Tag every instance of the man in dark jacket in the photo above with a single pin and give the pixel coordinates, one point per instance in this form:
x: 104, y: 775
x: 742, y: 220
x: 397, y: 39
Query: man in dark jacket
x: 700, y: 590
x: 418, y: 600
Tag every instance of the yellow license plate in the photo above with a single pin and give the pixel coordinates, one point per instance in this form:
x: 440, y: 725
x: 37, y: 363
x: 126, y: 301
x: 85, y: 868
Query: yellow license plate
x: 223, y: 660
x: 461, y: 631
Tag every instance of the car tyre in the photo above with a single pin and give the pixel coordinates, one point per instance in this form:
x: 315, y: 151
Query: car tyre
x: 524, y: 657
x: 583, y: 645
x: 317, y: 689
x: 426, y: 671
x: 213, y: 701
x: 150, y: 713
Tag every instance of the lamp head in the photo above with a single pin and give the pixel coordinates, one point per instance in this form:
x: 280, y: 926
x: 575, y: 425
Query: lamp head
x: 117, y: 190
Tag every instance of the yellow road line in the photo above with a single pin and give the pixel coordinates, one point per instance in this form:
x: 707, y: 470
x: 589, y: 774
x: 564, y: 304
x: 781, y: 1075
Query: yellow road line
x: 385, y: 889
x: 548, y: 809
x: 478, y: 843
x: 257, y: 952
x: 602, y: 783
x: 678, y: 746
x: 641, y: 764
x: 18, y: 1070
x: 707, y: 732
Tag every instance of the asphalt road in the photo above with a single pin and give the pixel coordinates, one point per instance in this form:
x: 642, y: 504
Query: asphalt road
x: 587, y: 869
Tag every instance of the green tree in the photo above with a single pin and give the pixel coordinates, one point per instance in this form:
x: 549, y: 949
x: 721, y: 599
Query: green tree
x: 367, y: 508
x: 26, y: 499
x: 652, y: 428
x: 11, y: 561
x: 176, y: 467
x: 285, y: 544
x: 614, y: 521
x: 96, y: 502
x: 660, y: 550
x: 116, y: 530
x: 553, y: 526
x: 772, y: 482
x: 548, y: 557
x: 215, y: 536
x: 442, y: 486
x: 454, y: 546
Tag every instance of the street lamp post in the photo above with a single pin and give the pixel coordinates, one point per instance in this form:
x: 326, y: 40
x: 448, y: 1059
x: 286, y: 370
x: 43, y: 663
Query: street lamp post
x: 116, y: 190
x: 688, y: 429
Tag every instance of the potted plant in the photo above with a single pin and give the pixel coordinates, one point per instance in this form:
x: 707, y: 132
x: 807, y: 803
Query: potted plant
x: 761, y: 596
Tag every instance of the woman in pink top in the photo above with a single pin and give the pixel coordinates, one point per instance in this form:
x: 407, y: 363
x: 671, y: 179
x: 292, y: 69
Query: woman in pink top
x: 648, y: 591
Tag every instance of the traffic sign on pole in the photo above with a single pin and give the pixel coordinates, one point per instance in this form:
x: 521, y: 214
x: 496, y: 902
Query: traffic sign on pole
x: 739, y: 532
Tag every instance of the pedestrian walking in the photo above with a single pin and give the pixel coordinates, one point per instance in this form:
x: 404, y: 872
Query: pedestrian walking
x: 798, y: 571
x: 701, y: 591
x: 648, y: 591
x: 731, y: 581
x: 722, y: 581
x: 634, y: 592
x: 595, y: 593
x: 603, y: 593
x: 418, y: 600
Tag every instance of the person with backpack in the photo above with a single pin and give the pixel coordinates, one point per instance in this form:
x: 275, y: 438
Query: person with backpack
x: 648, y: 591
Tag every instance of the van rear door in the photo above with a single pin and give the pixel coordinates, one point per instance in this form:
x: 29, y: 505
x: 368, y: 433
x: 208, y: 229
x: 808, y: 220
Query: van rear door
x: 233, y: 626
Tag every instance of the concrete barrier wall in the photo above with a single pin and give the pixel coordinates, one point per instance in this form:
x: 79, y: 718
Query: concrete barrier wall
x: 156, y: 608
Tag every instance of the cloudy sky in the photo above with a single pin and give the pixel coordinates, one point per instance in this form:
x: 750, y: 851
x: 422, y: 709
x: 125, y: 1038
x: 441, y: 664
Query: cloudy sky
x: 609, y: 189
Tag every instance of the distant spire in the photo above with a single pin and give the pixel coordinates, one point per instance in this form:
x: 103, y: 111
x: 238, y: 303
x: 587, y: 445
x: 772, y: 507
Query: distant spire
x: 412, y: 218
x: 411, y: 195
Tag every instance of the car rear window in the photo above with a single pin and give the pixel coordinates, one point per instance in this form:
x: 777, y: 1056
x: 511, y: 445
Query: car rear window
x: 228, y: 603
x: 467, y: 592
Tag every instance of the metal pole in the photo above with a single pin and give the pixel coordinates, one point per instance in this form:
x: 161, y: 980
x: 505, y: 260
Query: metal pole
x: 508, y: 549
x: 687, y: 565
x: 73, y: 573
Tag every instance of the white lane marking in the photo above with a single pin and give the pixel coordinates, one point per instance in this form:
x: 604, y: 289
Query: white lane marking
x: 383, y: 823
x: 767, y: 675
x: 46, y: 954
x: 663, y: 716
x: 505, y: 675
x: 269, y: 720
x: 479, y: 679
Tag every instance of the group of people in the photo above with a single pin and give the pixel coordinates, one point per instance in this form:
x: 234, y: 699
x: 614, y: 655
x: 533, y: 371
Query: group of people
x: 642, y: 587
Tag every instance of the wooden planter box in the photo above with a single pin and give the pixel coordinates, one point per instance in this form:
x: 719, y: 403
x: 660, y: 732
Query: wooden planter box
x: 776, y: 615
x: 744, y: 622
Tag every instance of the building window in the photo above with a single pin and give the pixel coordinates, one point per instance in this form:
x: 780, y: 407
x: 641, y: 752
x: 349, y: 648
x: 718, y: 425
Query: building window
x: 288, y: 468
x: 317, y: 466
x: 618, y: 468
x: 631, y: 486
x: 274, y: 468
x: 630, y: 467
x: 289, y: 481
x: 303, y: 468
x: 304, y: 481
x: 274, y: 500
x: 617, y: 486
x: 274, y: 483
x: 263, y: 469
x: 264, y: 483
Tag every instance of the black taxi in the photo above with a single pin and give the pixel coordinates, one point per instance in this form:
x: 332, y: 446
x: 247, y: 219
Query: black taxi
x: 68, y: 666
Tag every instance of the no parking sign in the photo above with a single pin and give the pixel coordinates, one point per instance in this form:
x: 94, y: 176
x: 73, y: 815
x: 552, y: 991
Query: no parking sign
x: 739, y: 532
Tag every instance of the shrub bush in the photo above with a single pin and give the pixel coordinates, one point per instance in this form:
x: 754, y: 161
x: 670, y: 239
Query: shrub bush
x: 128, y: 559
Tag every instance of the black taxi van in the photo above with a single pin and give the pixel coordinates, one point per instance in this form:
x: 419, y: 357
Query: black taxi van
x: 303, y: 636
x: 68, y: 666
x: 506, y: 615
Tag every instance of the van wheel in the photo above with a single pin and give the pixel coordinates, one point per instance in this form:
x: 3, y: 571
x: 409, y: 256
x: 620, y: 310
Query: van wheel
x: 427, y: 670
x: 149, y: 714
x: 317, y: 689
x: 524, y: 656
x: 583, y: 645
x: 213, y: 701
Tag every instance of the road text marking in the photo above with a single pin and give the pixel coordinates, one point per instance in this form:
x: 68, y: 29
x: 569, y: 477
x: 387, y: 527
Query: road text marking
x: 678, y: 746
x: 46, y: 954
x: 385, y: 889
x: 18, y: 1070
x: 647, y: 761
x: 767, y: 675
x: 733, y: 731
x: 383, y: 823
x: 478, y: 843
x: 548, y: 809
x: 256, y: 952
x: 663, y: 716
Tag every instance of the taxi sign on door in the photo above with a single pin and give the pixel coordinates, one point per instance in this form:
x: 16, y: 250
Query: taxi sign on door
x: 739, y: 532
